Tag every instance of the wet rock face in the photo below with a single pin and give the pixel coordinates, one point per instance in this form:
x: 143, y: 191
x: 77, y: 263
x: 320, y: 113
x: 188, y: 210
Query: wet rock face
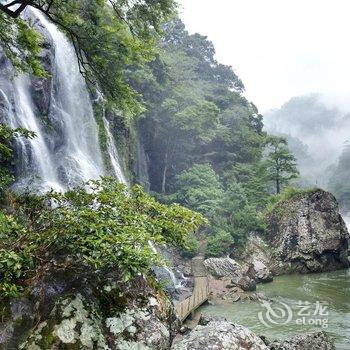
x: 314, y: 341
x: 87, y: 315
x: 220, y: 335
x: 76, y: 322
x: 307, y: 234
x: 227, y: 267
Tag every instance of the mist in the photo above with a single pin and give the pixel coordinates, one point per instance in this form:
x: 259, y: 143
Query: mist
x: 317, y: 127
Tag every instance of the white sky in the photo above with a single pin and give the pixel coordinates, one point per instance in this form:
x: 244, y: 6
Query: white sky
x: 279, y: 48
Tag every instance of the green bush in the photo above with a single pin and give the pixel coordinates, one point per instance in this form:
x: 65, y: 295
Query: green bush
x: 191, y: 246
x: 219, y: 244
x: 102, y: 225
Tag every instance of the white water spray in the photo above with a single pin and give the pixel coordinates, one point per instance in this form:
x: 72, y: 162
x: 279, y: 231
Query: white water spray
x: 69, y: 153
x: 171, y: 274
x: 113, y: 154
x: 40, y: 157
x: 80, y: 157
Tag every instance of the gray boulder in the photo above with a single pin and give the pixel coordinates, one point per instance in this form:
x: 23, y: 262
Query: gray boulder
x: 223, y: 267
x: 314, y: 341
x: 259, y: 271
x: 227, y: 267
x: 220, y: 335
x: 307, y: 233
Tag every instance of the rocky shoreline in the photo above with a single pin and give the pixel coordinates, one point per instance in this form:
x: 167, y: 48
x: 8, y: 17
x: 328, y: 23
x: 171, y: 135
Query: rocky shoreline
x: 87, y: 311
x: 216, y: 333
x: 305, y: 235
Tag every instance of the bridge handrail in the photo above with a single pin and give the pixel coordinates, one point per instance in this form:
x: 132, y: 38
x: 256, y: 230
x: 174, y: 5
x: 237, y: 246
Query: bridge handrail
x: 198, y: 297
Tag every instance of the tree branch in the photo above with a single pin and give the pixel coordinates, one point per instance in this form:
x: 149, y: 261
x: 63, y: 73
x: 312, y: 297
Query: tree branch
x: 15, y: 13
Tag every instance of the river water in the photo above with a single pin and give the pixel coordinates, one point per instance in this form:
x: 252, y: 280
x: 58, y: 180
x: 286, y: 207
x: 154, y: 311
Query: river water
x: 299, y: 303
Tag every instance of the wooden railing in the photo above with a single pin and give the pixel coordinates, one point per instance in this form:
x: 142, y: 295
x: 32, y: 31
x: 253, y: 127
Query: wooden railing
x: 200, y: 291
x: 190, y: 304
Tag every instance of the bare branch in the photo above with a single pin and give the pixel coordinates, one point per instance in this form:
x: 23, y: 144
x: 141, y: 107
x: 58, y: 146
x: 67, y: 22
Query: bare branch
x: 15, y: 13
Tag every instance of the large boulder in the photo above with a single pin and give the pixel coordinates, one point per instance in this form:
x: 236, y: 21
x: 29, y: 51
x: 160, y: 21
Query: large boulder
x: 307, y: 233
x: 227, y: 267
x: 258, y: 271
x: 223, y: 267
x: 314, y: 341
x: 220, y: 335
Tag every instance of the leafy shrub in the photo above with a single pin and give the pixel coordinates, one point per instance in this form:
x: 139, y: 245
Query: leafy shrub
x: 219, y: 244
x: 100, y: 226
x: 191, y: 246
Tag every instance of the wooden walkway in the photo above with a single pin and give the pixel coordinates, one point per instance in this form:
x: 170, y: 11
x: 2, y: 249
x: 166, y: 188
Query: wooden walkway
x: 200, y: 292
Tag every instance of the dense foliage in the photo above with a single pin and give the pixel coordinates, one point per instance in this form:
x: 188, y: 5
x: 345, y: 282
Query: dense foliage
x: 102, y: 225
x: 21, y: 44
x: 204, y: 140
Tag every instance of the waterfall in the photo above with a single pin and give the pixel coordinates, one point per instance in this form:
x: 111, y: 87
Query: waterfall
x: 65, y: 152
x: 39, y: 160
x: 80, y: 157
x: 176, y: 284
x: 173, y: 277
x: 113, y: 153
x: 36, y: 160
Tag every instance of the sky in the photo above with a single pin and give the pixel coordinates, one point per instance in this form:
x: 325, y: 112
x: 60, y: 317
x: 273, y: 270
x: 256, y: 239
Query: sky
x: 279, y: 48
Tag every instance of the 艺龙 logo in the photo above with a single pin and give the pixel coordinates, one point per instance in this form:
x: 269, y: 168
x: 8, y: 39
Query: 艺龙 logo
x: 275, y: 314
x: 306, y: 313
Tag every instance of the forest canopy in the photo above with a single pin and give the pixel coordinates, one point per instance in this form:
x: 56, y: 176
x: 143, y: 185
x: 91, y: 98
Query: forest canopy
x: 205, y: 140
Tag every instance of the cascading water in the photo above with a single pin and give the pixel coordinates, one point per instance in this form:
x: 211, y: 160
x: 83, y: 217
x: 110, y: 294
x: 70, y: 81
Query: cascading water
x: 113, y: 154
x: 39, y: 160
x: 66, y: 153
x: 159, y: 274
x: 79, y: 159
x: 34, y: 155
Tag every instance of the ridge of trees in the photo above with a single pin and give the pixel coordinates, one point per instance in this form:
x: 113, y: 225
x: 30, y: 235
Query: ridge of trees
x: 205, y: 141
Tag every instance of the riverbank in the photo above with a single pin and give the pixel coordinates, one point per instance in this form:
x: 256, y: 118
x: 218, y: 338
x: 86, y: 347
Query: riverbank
x: 323, y: 298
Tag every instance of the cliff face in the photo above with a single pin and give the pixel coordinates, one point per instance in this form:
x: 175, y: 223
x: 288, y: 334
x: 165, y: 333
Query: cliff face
x: 87, y: 311
x: 305, y: 234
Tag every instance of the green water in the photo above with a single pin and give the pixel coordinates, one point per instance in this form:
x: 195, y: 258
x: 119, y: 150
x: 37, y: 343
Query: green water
x: 329, y: 289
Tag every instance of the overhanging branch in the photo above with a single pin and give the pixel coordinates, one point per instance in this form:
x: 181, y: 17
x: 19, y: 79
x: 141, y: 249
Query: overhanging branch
x: 15, y: 13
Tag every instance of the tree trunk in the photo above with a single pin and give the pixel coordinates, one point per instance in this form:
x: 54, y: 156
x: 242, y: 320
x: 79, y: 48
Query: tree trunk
x: 165, y: 170
x: 278, y: 185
